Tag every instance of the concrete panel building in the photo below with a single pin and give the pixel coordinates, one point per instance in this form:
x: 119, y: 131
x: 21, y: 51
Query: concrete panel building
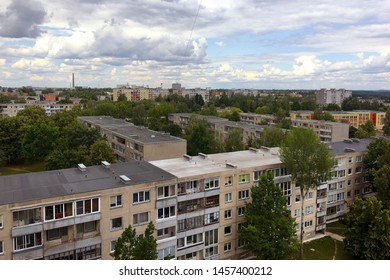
x: 196, y: 203
x: 132, y: 142
x: 12, y: 109
x: 332, y: 96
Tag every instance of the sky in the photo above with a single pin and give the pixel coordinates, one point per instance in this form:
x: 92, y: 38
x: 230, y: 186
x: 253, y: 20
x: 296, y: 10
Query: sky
x: 265, y: 44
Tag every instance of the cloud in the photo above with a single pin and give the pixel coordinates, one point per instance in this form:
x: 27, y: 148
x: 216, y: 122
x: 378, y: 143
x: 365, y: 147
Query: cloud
x: 220, y: 44
x: 22, y: 19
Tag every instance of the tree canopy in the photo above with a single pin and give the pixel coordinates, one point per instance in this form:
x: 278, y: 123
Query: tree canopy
x: 368, y: 230
x: 131, y: 246
x: 308, y: 161
x: 269, y: 231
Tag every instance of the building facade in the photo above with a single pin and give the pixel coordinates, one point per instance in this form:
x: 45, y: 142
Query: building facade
x: 132, y: 142
x: 327, y: 131
x: 196, y: 203
x: 332, y: 96
x: 12, y: 109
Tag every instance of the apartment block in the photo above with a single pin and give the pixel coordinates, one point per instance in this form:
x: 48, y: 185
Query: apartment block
x: 196, y: 203
x: 132, y: 142
x: 12, y: 109
x: 327, y: 131
x: 220, y: 126
x: 332, y: 96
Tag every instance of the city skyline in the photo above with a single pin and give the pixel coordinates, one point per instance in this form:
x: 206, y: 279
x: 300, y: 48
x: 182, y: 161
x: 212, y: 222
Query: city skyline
x: 234, y: 44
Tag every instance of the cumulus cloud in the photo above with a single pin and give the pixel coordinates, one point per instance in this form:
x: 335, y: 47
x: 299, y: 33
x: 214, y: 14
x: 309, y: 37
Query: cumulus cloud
x: 22, y: 19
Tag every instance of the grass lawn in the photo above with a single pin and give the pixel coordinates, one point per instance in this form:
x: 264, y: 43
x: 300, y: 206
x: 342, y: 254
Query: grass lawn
x: 325, y: 249
x: 22, y: 168
x: 336, y: 227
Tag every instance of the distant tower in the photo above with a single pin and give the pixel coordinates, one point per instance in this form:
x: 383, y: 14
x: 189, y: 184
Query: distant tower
x: 72, y: 80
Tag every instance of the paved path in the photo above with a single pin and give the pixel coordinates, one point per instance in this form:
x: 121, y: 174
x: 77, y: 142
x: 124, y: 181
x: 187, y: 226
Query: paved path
x: 335, y: 236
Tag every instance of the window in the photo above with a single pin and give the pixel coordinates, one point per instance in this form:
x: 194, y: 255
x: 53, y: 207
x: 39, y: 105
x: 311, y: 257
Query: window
x: 358, y: 180
x: 308, y: 210
x: 228, y: 181
x: 112, y: 246
x: 27, y: 241
x: 211, y: 183
x: 241, y: 211
x: 243, y: 194
x: 228, y: 214
x: 141, y: 197
x: 58, y: 211
x: 1, y: 247
x: 297, y: 198
x: 335, y: 197
x: 297, y: 212
x: 227, y: 247
x: 56, y: 233
x: 211, y: 242
x: 359, y: 158
x: 257, y: 174
x: 341, y: 184
x: 309, y: 195
x: 86, y: 227
x: 228, y: 197
x: 308, y: 223
x: 116, y: 223
x: 211, y: 218
x: 349, y: 194
x: 115, y: 201
x: 349, y: 183
x: 350, y: 160
x: 227, y: 230
x: 357, y: 192
x: 87, y: 206
x: 350, y: 171
x: 165, y: 191
x: 358, y: 169
x: 166, y: 253
x: 332, y: 186
x: 244, y: 178
x: 1, y: 222
x: 26, y: 217
x: 341, y: 173
x: 141, y: 218
x: 166, y: 212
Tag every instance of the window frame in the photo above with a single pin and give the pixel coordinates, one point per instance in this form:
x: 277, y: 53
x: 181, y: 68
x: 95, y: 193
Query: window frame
x: 228, y: 214
x: 138, y: 215
x: 145, y: 197
x: 118, y: 201
x: 228, y: 197
x: 112, y: 228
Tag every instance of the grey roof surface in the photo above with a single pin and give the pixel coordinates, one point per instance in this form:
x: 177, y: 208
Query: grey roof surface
x: 359, y: 145
x: 128, y: 130
x: 47, y: 184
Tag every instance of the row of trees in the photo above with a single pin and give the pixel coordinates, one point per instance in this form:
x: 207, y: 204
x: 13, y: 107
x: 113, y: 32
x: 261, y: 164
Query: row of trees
x: 59, y: 140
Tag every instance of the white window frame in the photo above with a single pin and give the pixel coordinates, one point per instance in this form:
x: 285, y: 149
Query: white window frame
x: 112, y: 246
x: 2, y: 251
x: 358, y: 170
x: 243, y: 194
x: 309, y: 210
x: 297, y: 213
x: 167, y: 212
x: 116, y: 228
x: 228, y: 214
x: 241, y: 211
x: 230, y: 230
x: 228, y: 197
x: 138, y: 215
x: 228, y: 181
x: 141, y: 199
x: 244, y: 178
x: 211, y: 183
x: 309, y: 195
x: 227, y: 247
x: 359, y: 158
x: 165, y: 191
x: 1, y: 222
x: 308, y: 223
x: 116, y: 201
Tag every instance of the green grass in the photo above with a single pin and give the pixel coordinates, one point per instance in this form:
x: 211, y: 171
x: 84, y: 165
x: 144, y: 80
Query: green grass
x: 22, y: 168
x: 325, y: 249
x: 337, y: 228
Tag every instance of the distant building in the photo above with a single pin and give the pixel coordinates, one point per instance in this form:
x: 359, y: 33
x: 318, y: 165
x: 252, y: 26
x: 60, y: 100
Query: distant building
x: 332, y: 96
x: 132, y: 142
x: 326, y: 131
x: 12, y: 109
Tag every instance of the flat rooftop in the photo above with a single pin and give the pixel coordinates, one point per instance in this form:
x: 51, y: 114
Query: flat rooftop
x: 56, y: 183
x: 214, y: 163
x: 352, y: 145
x: 128, y: 130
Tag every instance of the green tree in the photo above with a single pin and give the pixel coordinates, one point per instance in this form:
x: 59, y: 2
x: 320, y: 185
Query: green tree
x: 61, y: 158
x: 139, y: 115
x: 10, y: 135
x: 365, y: 130
x: 271, y: 137
x: 38, y: 140
x: 234, y: 141
x: 368, y: 230
x: 269, y: 231
x: 309, y: 163
x: 130, y: 246
x: 386, y: 125
x: 31, y: 115
x: 100, y: 151
x: 200, y: 138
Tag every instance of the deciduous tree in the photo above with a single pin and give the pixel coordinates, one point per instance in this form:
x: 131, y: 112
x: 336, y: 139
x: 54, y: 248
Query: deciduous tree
x: 368, y: 230
x: 309, y: 163
x: 269, y: 231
